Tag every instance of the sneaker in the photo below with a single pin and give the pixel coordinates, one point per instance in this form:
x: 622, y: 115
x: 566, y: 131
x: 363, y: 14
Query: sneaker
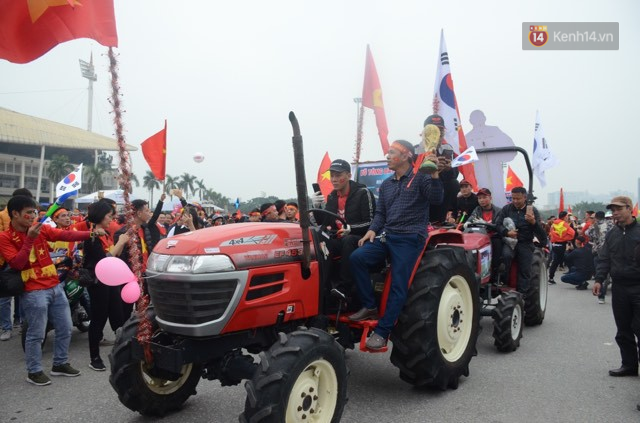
x: 5, y: 335
x: 376, y: 342
x: 106, y: 342
x: 38, y: 378
x: 97, y: 365
x: 64, y: 370
x: 600, y: 300
x: 552, y: 282
x: 582, y: 286
x: 364, y: 314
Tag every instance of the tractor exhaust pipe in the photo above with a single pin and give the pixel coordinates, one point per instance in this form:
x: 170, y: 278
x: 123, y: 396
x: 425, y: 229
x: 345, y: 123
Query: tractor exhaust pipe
x: 301, y: 189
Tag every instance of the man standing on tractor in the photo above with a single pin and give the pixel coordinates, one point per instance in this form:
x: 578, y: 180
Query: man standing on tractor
x: 398, y: 231
x: 561, y: 233
x: 527, y: 222
x: 619, y: 257
x: 354, y: 203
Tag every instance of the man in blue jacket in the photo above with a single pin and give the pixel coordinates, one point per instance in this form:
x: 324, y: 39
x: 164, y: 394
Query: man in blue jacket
x: 580, y: 263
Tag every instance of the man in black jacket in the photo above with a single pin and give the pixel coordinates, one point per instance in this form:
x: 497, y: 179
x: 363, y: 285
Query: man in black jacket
x: 618, y: 257
x: 580, y: 263
x: 489, y: 213
x: 528, y: 224
x: 356, y: 205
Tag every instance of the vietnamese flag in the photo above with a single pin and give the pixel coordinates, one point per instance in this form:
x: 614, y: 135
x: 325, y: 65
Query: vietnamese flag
x: 154, y: 150
x: 30, y: 28
x: 512, y: 180
x: 372, y: 99
x: 561, y: 206
x: 324, y: 176
x: 569, y: 210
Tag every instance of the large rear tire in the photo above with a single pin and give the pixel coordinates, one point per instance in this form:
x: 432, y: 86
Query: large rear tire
x: 301, y: 378
x: 535, y: 304
x: 139, y: 390
x: 435, y: 336
x: 507, y: 321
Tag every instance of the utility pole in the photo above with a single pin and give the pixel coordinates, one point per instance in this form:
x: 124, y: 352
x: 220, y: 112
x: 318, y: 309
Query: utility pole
x: 359, y: 116
x: 88, y: 71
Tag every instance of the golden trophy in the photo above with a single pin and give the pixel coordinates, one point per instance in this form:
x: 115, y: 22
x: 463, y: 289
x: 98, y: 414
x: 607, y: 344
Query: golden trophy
x: 430, y: 140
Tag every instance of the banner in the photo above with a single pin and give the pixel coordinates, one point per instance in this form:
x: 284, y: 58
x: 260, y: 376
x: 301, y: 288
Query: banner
x: 543, y: 158
x: 372, y: 99
x: 154, y: 150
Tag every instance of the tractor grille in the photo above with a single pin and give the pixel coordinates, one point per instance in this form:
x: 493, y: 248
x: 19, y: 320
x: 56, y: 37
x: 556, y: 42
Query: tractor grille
x: 191, y: 302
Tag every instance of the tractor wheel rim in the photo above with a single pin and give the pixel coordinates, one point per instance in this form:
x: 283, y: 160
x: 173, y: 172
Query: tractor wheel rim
x: 516, y: 322
x: 544, y: 286
x: 163, y: 386
x: 455, y: 318
x: 314, y: 395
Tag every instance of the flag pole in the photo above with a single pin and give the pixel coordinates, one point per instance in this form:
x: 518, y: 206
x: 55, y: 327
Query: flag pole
x: 358, y: 101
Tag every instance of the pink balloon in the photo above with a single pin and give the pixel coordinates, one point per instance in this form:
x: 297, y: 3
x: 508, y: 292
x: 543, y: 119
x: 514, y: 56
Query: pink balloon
x: 113, y: 272
x: 130, y: 292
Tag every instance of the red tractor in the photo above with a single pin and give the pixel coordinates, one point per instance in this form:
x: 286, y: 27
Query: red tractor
x: 253, y: 302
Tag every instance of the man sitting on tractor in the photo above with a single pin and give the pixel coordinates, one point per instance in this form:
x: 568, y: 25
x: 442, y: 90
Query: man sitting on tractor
x: 354, y: 203
x: 489, y: 213
x: 398, y: 231
x: 527, y: 222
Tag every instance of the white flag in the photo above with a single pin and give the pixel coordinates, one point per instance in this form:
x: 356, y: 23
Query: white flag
x: 70, y: 185
x: 543, y: 158
x: 444, y: 101
x: 468, y: 156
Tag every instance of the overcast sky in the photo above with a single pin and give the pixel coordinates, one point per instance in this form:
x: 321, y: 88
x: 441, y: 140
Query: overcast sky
x: 226, y: 74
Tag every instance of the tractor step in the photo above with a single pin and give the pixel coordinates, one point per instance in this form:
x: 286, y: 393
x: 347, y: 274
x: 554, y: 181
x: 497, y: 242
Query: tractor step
x: 366, y: 326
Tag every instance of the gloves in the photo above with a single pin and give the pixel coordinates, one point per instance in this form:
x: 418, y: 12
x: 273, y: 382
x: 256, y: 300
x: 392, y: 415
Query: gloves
x: 317, y: 199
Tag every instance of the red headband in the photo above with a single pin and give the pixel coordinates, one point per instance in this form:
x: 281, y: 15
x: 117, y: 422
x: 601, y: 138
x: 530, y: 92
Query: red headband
x: 401, y: 147
x: 269, y: 210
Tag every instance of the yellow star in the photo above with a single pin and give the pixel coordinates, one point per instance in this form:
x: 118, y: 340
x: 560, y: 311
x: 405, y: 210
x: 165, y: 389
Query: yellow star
x: 509, y: 180
x: 38, y: 7
x: 559, y: 228
x: 377, y: 98
x: 326, y: 175
x: 41, y: 251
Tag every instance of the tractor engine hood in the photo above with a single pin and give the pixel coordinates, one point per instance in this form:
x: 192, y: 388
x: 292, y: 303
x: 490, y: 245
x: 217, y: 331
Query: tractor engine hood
x: 248, y: 245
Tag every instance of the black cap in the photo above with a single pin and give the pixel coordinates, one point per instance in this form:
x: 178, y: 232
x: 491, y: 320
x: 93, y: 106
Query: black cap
x: 340, y: 166
x: 434, y: 120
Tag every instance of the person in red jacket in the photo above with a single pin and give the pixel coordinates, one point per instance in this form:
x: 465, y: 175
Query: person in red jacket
x: 561, y: 233
x: 24, y: 247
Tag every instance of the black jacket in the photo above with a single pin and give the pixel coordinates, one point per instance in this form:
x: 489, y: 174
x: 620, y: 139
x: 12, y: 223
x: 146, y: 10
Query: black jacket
x: 580, y: 260
x: 617, y: 256
x: 466, y: 204
x: 477, y: 213
x: 151, y: 235
x: 526, y: 231
x: 359, y: 209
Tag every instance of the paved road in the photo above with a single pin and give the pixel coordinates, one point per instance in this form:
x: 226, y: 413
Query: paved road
x: 559, y: 374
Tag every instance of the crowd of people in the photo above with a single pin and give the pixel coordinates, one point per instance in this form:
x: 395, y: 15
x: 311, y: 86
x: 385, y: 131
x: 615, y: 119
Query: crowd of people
x: 605, y: 246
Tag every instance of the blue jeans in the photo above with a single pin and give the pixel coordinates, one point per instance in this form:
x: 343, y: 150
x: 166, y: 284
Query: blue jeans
x: 38, y: 306
x: 404, y: 250
x: 574, y: 277
x: 5, y: 313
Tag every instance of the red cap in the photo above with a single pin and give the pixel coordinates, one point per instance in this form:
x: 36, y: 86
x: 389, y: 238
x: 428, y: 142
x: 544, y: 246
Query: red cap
x: 484, y: 191
x: 464, y: 182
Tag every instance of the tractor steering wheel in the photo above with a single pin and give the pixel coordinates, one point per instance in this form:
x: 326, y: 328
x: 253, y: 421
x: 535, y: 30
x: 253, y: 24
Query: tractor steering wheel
x: 486, y: 225
x: 333, y: 231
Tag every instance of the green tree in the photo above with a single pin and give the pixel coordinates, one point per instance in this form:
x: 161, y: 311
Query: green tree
x: 134, y: 179
x: 200, y: 187
x: 187, y: 183
x: 58, y: 168
x: 150, y: 182
x: 170, y: 183
x: 93, y: 177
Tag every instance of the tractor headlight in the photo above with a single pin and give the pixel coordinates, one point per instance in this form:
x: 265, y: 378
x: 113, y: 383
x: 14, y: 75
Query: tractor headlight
x: 189, y: 264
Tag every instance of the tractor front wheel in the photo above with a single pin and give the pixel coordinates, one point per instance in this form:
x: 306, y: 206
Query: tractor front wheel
x: 507, y: 321
x: 301, y: 378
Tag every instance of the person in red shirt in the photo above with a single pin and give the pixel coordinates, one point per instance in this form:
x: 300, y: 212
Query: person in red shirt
x: 24, y: 247
x: 561, y: 233
x: 487, y: 212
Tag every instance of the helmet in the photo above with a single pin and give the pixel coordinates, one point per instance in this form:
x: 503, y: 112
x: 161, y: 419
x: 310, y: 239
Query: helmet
x: 73, y: 290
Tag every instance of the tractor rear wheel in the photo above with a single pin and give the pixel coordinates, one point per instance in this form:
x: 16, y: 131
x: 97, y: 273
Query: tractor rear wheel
x: 507, y: 321
x: 535, y: 304
x: 301, y: 378
x: 436, y: 333
x: 137, y: 388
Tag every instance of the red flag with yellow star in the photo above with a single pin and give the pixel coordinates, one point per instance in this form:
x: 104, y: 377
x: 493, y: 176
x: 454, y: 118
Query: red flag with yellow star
x: 324, y: 176
x: 372, y: 99
x: 154, y: 150
x: 30, y: 28
x: 561, y: 206
x: 512, y: 180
